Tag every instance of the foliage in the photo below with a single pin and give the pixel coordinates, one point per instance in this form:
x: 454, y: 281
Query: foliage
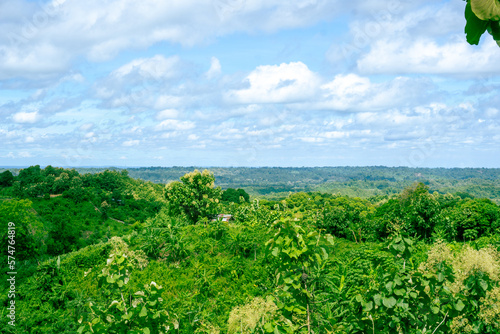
x: 143, y: 312
x: 28, y: 232
x: 298, y: 258
x: 406, y: 300
x: 71, y: 211
x: 6, y: 179
x: 195, y: 196
x: 251, y: 317
x: 235, y: 196
x: 482, y: 16
x: 346, y: 218
x: 389, y: 270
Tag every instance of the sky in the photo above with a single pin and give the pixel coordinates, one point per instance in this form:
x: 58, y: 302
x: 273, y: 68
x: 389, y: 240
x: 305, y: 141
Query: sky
x: 246, y: 83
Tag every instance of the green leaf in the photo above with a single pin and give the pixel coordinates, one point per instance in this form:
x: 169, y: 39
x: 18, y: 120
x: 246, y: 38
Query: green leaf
x: 325, y: 254
x: 435, y: 309
x: 400, y: 247
x: 389, y: 286
x: 377, y: 298
x: 399, y: 292
x: 486, y: 9
x: 459, y: 306
x: 389, y: 302
x: 144, y: 312
x: 269, y: 327
x: 146, y: 330
x: 474, y: 27
x: 483, y: 284
x: 408, y: 241
x: 367, y: 307
x: 275, y: 251
x: 329, y: 239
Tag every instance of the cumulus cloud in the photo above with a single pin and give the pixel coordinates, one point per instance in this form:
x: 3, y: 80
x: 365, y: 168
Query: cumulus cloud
x: 397, y: 56
x: 413, y: 37
x: 354, y: 92
x: 167, y: 113
x: 26, y: 117
x: 142, y: 84
x: 173, y: 124
x: 215, y: 68
x: 157, y: 67
x: 46, y: 38
x: 130, y: 143
x: 292, y: 82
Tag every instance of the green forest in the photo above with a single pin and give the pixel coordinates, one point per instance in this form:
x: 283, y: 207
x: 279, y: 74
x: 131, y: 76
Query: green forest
x: 250, y: 250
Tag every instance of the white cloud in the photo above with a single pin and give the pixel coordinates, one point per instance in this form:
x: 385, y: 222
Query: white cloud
x: 283, y: 83
x: 26, y: 117
x: 173, y: 124
x: 129, y: 143
x: 157, y: 67
x: 25, y: 155
x: 167, y: 113
x: 427, y: 56
x: 48, y: 37
x: 164, y: 101
x: 39, y: 61
x: 86, y: 126
x: 354, y: 92
x: 214, y: 70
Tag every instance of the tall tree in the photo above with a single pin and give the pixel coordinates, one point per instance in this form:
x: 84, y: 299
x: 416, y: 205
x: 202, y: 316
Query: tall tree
x: 6, y: 179
x: 195, y: 196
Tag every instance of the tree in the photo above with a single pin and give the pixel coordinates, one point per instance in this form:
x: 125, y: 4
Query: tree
x: 418, y: 208
x: 482, y: 16
x: 195, y: 196
x: 6, y: 179
x: 300, y: 261
x: 469, y: 219
x: 27, y: 230
x: 30, y: 175
x: 235, y: 196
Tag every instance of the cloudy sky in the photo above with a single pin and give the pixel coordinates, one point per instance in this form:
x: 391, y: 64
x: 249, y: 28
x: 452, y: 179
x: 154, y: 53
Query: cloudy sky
x: 246, y: 83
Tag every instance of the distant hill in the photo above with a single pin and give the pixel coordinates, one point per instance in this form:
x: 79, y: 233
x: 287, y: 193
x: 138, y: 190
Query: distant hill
x: 278, y: 182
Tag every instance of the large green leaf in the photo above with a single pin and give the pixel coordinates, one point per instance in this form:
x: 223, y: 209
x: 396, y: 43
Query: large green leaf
x: 475, y: 27
x: 486, y: 9
x: 389, y: 302
x: 143, y: 312
x: 459, y: 306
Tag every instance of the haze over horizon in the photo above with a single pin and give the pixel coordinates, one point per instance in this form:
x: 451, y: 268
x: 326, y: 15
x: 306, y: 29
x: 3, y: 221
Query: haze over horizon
x: 246, y: 83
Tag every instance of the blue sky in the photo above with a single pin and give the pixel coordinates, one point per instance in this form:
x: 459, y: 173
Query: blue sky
x: 246, y: 83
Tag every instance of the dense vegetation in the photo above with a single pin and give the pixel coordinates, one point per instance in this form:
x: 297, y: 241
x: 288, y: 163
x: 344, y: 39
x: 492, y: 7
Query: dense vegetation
x: 105, y: 253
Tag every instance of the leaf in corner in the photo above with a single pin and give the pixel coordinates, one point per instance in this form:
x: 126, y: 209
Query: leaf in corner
x: 474, y: 27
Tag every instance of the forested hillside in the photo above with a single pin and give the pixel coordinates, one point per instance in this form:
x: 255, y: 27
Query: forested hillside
x: 278, y: 182
x: 102, y: 252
